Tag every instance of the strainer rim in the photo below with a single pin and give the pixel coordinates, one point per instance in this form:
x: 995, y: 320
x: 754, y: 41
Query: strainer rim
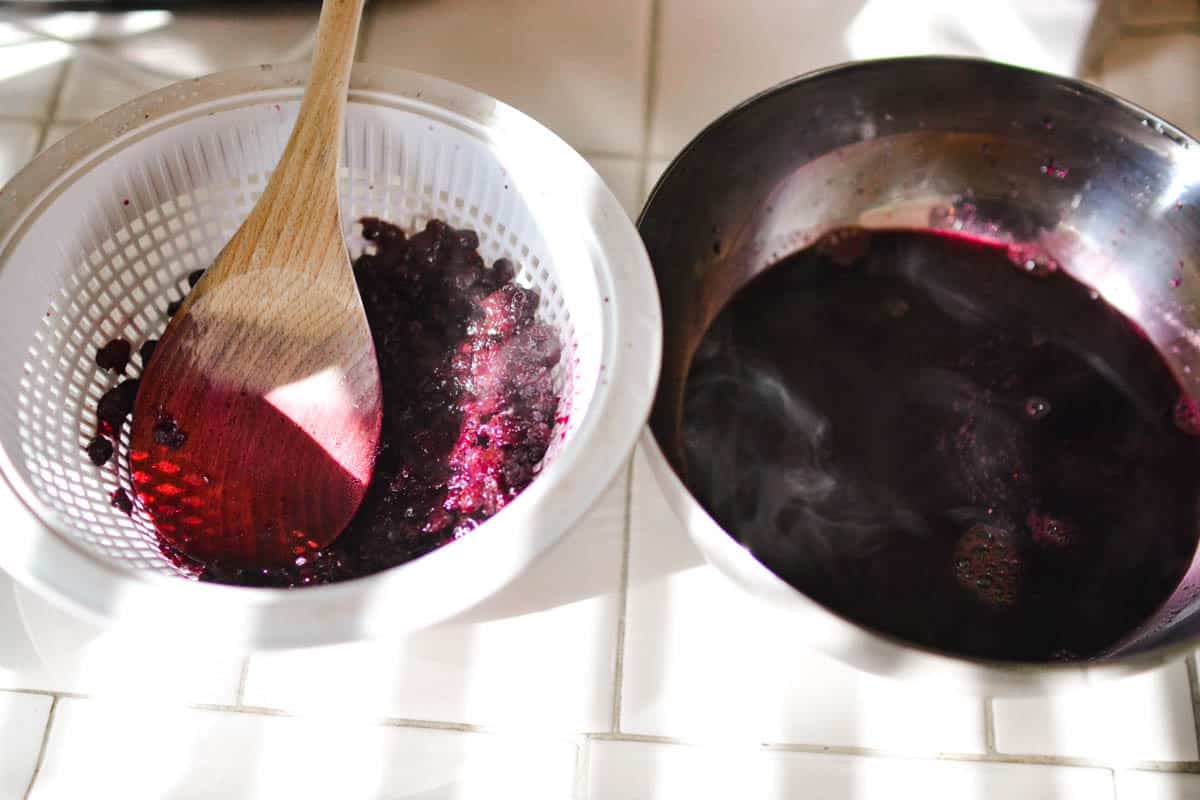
x: 631, y: 345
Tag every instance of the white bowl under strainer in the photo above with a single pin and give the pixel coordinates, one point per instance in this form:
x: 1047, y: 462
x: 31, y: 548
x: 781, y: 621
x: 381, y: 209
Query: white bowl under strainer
x: 98, y: 234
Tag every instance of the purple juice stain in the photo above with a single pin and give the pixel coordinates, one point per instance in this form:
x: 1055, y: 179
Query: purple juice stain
x: 933, y: 442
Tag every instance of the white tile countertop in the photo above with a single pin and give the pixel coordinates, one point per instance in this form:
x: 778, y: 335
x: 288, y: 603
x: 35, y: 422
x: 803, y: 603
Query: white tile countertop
x: 620, y: 667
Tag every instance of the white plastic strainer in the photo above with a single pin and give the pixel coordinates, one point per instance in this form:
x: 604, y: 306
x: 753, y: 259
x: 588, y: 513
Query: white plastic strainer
x: 98, y: 234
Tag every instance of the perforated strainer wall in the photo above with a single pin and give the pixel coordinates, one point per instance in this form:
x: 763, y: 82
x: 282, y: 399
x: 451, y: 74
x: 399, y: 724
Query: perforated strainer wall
x: 116, y: 246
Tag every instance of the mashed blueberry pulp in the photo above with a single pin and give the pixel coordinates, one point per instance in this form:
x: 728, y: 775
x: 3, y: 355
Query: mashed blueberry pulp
x: 468, y: 403
x: 947, y: 449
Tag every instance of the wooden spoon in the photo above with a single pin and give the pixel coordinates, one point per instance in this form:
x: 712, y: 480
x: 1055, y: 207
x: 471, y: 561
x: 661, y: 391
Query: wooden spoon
x: 257, y: 420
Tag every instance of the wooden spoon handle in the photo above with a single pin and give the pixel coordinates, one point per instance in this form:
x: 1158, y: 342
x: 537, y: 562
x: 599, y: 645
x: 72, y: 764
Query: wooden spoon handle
x: 311, y: 157
x: 302, y: 193
x: 323, y: 111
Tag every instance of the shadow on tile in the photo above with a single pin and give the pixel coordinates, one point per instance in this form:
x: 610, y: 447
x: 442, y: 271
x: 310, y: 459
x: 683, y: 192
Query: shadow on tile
x: 538, y: 655
x: 74, y: 655
x: 1160, y: 73
x: 98, y: 749
x: 620, y: 770
x: 17, y: 656
x: 22, y: 723
x: 1105, y: 28
x: 578, y: 567
x: 578, y: 68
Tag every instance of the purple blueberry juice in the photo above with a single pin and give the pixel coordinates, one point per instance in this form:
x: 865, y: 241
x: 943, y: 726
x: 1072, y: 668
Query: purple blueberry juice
x: 945, y: 448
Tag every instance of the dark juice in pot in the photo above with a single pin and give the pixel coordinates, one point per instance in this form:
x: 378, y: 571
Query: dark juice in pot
x: 937, y: 444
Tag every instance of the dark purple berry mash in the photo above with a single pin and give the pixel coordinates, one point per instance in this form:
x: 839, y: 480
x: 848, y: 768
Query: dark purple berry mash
x: 468, y: 403
x: 114, y: 356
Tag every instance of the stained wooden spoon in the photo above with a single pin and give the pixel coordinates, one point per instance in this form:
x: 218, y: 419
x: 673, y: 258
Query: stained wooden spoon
x: 257, y: 420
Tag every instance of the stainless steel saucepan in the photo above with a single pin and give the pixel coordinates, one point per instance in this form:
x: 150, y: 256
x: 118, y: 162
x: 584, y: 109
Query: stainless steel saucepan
x: 1053, y: 166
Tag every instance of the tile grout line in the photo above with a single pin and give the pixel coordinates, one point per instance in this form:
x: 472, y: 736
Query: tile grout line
x: 28, y: 119
x: 1170, y: 767
x: 582, y: 757
x: 239, y: 697
x: 392, y: 722
x: 1194, y: 687
x: 48, y: 693
x: 66, y: 121
x: 612, y: 155
x: 989, y: 725
x: 41, y: 756
x: 1148, y: 30
x: 622, y: 600
x: 55, y: 103
x: 651, y: 95
x: 648, y: 100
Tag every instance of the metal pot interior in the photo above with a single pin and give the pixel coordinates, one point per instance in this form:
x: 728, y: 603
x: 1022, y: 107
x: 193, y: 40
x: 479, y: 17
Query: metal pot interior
x: 1061, y: 170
